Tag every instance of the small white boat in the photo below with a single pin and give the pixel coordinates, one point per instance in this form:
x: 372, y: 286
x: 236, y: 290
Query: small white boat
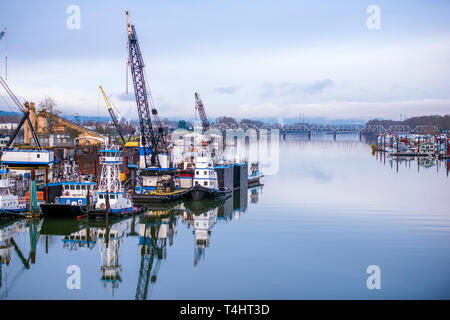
x: 255, y: 175
x: 10, y: 204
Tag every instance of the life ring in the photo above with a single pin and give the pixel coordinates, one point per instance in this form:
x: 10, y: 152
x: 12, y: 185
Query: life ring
x: 67, y: 193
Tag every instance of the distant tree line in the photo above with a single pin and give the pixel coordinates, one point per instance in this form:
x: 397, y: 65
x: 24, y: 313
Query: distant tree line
x: 231, y: 122
x: 442, y: 122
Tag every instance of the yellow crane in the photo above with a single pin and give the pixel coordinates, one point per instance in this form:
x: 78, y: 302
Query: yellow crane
x: 112, y: 114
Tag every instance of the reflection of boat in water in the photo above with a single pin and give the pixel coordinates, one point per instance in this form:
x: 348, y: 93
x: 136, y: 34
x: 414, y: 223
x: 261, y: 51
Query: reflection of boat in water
x: 61, y: 226
x: 255, y: 192
x: 205, y: 214
x: 427, y: 162
x: 199, y: 207
x: 108, y: 234
x: 203, y: 223
x: 109, y: 240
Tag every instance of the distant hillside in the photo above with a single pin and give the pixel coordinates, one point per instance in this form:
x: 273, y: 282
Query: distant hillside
x: 9, y: 113
x: 83, y: 119
x: 10, y: 116
x: 442, y: 122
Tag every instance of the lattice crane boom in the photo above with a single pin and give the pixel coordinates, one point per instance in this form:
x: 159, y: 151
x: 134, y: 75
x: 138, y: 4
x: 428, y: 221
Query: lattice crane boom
x: 2, y: 33
x: 136, y: 63
x: 201, y: 111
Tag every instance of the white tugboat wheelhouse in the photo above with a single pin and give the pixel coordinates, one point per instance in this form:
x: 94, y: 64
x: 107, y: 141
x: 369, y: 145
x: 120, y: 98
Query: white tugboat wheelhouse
x: 76, y: 193
x: 205, y: 174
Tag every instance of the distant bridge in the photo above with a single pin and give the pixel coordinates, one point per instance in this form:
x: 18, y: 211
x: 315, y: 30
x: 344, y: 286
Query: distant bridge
x: 335, y: 129
x: 360, y: 128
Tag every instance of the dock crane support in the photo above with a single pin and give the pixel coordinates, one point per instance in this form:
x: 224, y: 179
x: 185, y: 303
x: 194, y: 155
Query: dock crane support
x: 25, y: 116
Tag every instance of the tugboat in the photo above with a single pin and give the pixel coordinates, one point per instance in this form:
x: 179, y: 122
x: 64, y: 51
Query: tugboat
x: 255, y: 175
x: 166, y: 191
x: 10, y: 204
x: 73, y: 202
x: 111, y: 198
x: 205, y: 182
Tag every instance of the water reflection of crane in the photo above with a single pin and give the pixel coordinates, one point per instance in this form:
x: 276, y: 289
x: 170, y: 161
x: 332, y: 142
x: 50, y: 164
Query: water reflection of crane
x: 8, y: 230
x: 7, y: 233
x: 156, y: 227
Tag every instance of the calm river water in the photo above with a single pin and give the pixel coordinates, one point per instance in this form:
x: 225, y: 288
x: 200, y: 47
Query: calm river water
x: 329, y: 211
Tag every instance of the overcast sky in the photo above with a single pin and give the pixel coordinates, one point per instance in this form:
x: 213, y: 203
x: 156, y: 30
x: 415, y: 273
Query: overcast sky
x: 246, y: 58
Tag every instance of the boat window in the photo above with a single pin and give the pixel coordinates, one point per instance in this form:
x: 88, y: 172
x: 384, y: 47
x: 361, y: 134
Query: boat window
x: 112, y: 196
x: 100, y: 196
x: 204, y: 172
x: 196, y: 182
x: 66, y: 187
x: 72, y: 187
x: 78, y: 187
x: 83, y: 187
x: 197, y: 172
x: 205, y: 183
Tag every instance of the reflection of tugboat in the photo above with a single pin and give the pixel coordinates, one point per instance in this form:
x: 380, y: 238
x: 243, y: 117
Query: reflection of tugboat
x: 10, y: 204
x: 426, y: 162
x: 254, y: 193
x: 255, y: 175
x: 109, y: 241
x: 205, y: 182
x: 203, y: 224
x: 199, y: 207
x: 111, y: 198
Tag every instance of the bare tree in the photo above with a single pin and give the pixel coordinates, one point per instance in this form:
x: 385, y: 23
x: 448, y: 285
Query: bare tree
x: 49, y: 105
